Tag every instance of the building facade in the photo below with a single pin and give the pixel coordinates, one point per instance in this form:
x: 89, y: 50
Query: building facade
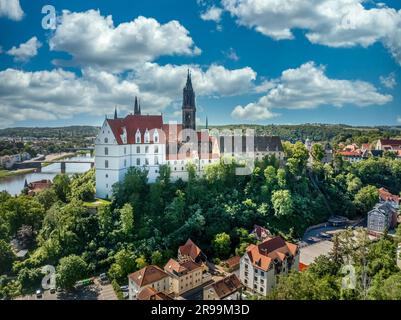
x: 263, y: 263
x: 382, y: 217
x: 148, y: 277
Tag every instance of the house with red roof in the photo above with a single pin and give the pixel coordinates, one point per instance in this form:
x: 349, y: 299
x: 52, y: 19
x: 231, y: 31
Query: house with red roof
x: 388, y: 145
x: 149, y: 277
x: 263, y: 263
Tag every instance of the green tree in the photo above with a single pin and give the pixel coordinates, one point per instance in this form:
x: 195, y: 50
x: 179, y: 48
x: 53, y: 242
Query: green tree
x: 47, y: 198
x: 317, y: 152
x: 282, y: 203
x: 6, y: 257
x: 365, y: 199
x: 127, y: 219
x: 70, y: 270
x: 141, y: 262
x: 221, y: 245
x: 157, y: 258
x: 61, y: 185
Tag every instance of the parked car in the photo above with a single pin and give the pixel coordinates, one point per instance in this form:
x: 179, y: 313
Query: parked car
x: 53, y: 290
x: 103, y: 279
x: 39, y: 294
x: 124, y: 288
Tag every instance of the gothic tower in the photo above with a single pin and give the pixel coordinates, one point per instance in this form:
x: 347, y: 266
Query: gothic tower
x: 188, y: 106
x: 137, y: 107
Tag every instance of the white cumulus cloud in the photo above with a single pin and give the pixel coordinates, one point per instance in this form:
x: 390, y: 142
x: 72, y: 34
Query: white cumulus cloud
x: 11, y: 9
x: 334, y: 23
x: 308, y: 87
x: 59, y: 94
x: 25, y: 51
x: 213, y: 13
x: 93, y: 40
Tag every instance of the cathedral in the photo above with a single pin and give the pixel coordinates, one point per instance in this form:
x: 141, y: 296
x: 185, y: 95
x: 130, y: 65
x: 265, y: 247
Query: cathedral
x: 146, y: 142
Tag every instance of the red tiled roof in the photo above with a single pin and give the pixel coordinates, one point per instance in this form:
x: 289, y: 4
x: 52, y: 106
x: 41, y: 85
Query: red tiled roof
x: 190, y: 249
x: 260, y: 231
x: 134, y: 122
x: 302, y: 267
x: 233, y: 262
x: 226, y: 286
x: 350, y: 153
x: 386, y: 195
x: 391, y: 142
x: 181, y: 267
x: 273, y: 248
x: 149, y: 293
x: 147, y: 275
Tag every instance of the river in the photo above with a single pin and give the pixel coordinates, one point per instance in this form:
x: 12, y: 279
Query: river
x: 14, y: 184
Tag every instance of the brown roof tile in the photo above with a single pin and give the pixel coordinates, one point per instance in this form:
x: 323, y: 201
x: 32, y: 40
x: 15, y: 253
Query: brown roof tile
x: 147, y: 275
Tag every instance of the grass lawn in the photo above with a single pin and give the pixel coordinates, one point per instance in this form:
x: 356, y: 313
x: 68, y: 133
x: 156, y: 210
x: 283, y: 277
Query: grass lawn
x: 97, y: 203
x: 10, y: 173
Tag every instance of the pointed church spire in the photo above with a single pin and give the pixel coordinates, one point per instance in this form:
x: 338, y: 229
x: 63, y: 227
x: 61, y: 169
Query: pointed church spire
x: 188, y: 85
x: 115, y: 113
x: 136, y: 109
x: 207, y: 124
x: 139, y: 104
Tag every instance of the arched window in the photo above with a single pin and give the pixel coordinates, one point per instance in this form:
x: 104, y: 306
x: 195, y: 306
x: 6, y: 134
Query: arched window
x: 138, y: 136
x: 106, y: 140
x: 156, y: 137
x: 147, y: 138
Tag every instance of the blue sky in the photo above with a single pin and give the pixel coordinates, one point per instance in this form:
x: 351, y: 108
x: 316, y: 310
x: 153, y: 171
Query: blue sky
x: 248, y: 66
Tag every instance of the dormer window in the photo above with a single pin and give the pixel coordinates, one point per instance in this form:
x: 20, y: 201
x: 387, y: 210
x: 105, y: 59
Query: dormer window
x: 138, y: 136
x: 156, y: 137
x: 106, y: 140
x: 147, y: 137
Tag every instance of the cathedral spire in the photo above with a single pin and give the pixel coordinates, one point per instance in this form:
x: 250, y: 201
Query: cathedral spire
x: 115, y: 113
x: 139, y: 106
x: 136, y: 109
x: 207, y: 123
x: 188, y: 105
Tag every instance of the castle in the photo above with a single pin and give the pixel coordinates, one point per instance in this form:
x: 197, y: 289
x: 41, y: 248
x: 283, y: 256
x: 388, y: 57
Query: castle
x: 145, y: 141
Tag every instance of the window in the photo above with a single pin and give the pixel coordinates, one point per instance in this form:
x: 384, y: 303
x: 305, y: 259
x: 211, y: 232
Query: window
x: 156, y: 137
x: 106, y: 163
x: 125, y: 150
x: 106, y: 140
x: 147, y: 136
x: 138, y: 149
x: 245, y: 281
x: 106, y: 151
x: 107, y: 175
x: 156, y: 149
x: 255, y: 287
x: 146, y: 161
x: 138, y: 161
x: 146, y: 149
x: 156, y: 160
x: 125, y: 163
x: 262, y: 273
x: 138, y: 136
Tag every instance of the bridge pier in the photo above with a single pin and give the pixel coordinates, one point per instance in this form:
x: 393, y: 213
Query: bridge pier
x: 62, y: 165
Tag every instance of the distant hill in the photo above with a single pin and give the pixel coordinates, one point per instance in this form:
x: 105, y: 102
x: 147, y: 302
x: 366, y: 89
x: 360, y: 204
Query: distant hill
x: 50, y: 132
x: 315, y: 132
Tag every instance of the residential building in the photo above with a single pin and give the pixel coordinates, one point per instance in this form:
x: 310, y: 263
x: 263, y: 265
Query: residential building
x: 387, y: 196
x: 184, y: 275
x: 388, y: 145
x: 260, y: 233
x: 382, y: 217
x: 228, y: 288
x: 232, y: 263
x: 190, y: 251
x: 37, y: 186
x: 149, y: 276
x: 262, y: 263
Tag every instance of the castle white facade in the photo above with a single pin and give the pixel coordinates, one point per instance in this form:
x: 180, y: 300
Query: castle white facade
x: 145, y: 141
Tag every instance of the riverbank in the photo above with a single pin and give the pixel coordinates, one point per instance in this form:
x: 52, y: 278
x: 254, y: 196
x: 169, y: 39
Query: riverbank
x: 50, y: 157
